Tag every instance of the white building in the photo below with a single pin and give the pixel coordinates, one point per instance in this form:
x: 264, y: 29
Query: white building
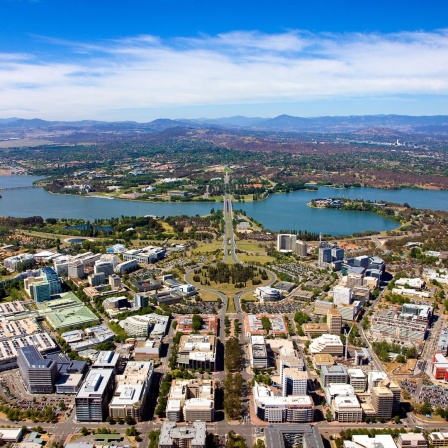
x: 265, y: 293
x: 275, y: 409
x: 327, y: 344
x: 144, y: 325
x: 132, y: 390
x: 341, y: 294
x: 286, y: 242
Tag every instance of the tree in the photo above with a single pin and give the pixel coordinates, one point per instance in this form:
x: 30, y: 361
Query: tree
x: 329, y: 415
x: 266, y: 324
x: 196, y: 322
x: 84, y: 431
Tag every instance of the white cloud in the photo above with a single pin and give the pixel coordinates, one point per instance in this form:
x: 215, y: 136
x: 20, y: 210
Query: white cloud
x: 146, y: 72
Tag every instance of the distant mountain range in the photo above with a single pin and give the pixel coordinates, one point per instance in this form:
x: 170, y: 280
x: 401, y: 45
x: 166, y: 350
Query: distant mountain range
x: 429, y: 125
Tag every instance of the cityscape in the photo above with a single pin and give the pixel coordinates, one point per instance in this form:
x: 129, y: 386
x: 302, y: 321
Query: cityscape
x: 223, y: 224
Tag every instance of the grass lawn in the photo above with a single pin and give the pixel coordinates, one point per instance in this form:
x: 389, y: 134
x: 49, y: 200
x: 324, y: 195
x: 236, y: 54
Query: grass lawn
x: 167, y: 227
x: 259, y: 258
x: 231, y: 304
x: 249, y: 297
x: 208, y: 296
x: 208, y: 247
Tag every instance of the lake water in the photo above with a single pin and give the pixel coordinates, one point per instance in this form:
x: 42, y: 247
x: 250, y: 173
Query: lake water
x: 280, y: 211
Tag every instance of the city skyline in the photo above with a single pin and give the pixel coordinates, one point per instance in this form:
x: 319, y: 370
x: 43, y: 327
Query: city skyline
x: 172, y: 59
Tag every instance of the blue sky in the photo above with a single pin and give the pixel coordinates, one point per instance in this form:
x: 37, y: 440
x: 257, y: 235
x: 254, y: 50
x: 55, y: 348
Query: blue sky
x: 146, y: 59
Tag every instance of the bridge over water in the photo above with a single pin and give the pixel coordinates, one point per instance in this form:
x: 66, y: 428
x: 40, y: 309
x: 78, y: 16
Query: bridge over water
x: 27, y: 187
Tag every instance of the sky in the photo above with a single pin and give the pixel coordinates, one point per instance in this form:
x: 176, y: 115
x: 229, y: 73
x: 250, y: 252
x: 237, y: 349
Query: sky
x: 145, y: 59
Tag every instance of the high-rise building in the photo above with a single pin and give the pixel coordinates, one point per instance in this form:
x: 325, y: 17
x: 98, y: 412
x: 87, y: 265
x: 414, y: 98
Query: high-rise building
x: 382, y: 402
x: 337, y: 253
x: 53, y: 280
x: 286, y: 242
x: 341, y: 294
x: 93, y: 398
x: 39, y: 374
x: 106, y: 267
x: 301, y: 249
x: 324, y: 256
x: 140, y: 301
x: 334, y: 321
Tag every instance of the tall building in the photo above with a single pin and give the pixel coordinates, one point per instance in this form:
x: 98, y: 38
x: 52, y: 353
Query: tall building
x: 358, y: 380
x: 382, y: 402
x: 341, y: 294
x: 286, y: 242
x: 93, y: 398
x: 132, y: 390
x: 334, y: 321
x: 301, y: 249
x: 336, y: 374
x: 337, y: 253
x: 76, y: 269
x: 140, y: 301
x: 106, y: 267
x: 53, y: 280
x: 39, y: 374
x: 324, y: 256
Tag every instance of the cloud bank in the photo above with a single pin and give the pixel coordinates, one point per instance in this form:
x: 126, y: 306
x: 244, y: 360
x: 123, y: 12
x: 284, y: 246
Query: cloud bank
x: 71, y: 80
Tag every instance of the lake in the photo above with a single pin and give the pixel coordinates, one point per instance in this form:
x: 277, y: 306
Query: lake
x: 280, y: 211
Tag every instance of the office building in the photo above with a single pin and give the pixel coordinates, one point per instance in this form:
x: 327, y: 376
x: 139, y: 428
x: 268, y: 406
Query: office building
x: 334, y: 321
x: 321, y: 307
x: 115, y: 282
x: 258, y: 352
x: 96, y: 279
x: 93, y: 398
x: 126, y: 266
x: 185, y: 436
x: 140, y: 301
x: 412, y: 440
x: 324, y: 256
x: 275, y: 409
x: 327, y: 344
x: 253, y: 324
x: 76, y: 269
x: 364, y: 441
x: 335, y: 374
x: 346, y: 409
x: 132, y: 389
x: 197, y: 351
x: 301, y: 249
x: 144, y: 325
x: 337, y: 253
x: 209, y: 324
x: 53, y: 280
x: 357, y: 380
x: 342, y: 295
x: 107, y: 360
x: 286, y: 242
x: 382, y: 402
x: 293, y: 436
x: 265, y: 293
x: 104, y: 267
x: 39, y: 374
x: 295, y: 381
x: 194, y: 400
x: 439, y: 439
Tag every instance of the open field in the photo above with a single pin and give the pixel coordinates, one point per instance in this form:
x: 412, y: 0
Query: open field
x: 254, y: 258
x: 231, y: 304
x: 249, y: 297
x: 208, y: 296
x: 207, y: 247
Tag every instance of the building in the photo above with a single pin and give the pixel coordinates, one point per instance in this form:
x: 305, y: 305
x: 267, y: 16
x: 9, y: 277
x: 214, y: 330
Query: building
x: 324, y: 256
x: 186, y: 436
x: 140, y: 301
x: 438, y: 439
x: 327, y: 344
x: 197, y: 351
x: 107, y: 360
x: 410, y: 323
x: 357, y: 380
x: 146, y: 255
x: 92, y: 400
x: 146, y: 349
x: 96, y: 279
x: 382, y: 402
x: 104, y: 267
x: 334, y: 321
x: 132, y: 389
x: 126, y: 266
x: 40, y: 291
x: 286, y: 242
x: 39, y: 374
x: 442, y: 343
x: 12, y: 262
x: 440, y: 367
x: 335, y: 374
x: 294, y: 381
x: 194, y: 400
x: 144, y: 325
x: 293, y: 436
x: 67, y: 312
x: 258, y: 352
x: 346, y: 409
x: 354, y: 279
x: 383, y: 441
x: 209, y: 324
x: 341, y: 294
x: 53, y: 280
x: 350, y: 312
x: 337, y: 253
x: 275, y: 409
x: 320, y: 360
x: 412, y: 440
x: 265, y: 293
x: 301, y: 249
x: 321, y: 307
x: 76, y: 269
x: 115, y: 282
x: 253, y: 324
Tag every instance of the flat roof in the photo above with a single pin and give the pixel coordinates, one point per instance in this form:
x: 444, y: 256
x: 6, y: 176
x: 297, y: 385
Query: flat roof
x: 95, y: 383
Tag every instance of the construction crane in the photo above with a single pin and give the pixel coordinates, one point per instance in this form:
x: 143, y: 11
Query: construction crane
x: 347, y: 334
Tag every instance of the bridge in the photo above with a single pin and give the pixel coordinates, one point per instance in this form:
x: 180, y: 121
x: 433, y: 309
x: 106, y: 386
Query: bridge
x: 27, y: 187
